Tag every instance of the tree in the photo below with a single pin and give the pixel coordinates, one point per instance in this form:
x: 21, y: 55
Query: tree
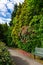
x: 13, y: 14
x: 29, y: 14
x: 3, y: 32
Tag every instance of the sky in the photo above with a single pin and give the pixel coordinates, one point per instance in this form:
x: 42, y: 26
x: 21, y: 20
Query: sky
x: 6, y: 8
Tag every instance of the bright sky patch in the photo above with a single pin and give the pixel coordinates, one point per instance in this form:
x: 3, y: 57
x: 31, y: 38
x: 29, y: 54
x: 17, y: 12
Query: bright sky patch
x: 6, y: 8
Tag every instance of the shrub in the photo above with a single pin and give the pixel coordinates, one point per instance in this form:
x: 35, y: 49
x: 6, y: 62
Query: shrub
x: 5, y: 58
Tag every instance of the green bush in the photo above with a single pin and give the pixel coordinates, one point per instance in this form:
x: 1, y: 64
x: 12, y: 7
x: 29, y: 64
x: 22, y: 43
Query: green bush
x: 27, y: 31
x: 5, y: 58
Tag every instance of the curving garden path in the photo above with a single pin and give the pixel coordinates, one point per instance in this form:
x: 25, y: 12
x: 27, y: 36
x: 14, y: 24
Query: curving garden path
x: 21, y: 59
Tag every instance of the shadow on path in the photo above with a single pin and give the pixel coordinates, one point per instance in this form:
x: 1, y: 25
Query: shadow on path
x: 19, y: 61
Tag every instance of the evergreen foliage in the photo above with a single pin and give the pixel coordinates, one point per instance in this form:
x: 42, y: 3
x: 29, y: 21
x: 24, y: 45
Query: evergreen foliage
x: 3, y: 32
x: 27, y: 30
x: 26, y: 26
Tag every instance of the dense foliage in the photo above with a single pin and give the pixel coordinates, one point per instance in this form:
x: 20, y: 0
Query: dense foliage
x: 3, y: 32
x: 27, y: 32
x: 26, y: 26
x: 5, y: 58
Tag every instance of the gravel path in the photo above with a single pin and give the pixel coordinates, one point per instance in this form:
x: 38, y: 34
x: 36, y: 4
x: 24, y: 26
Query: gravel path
x: 21, y: 59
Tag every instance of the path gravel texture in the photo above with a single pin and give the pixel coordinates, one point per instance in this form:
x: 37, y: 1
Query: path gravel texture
x: 20, y: 59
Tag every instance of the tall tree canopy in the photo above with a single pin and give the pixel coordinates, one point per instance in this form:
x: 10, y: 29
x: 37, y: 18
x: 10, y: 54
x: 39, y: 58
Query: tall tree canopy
x: 3, y: 32
x: 26, y: 26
